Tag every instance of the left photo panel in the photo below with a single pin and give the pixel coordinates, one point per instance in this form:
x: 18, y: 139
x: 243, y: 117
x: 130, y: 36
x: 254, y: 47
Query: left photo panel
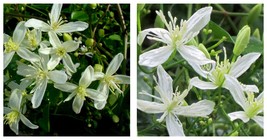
x: 66, y: 69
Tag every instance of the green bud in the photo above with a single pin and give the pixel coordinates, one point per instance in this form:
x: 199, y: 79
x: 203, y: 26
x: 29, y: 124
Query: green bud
x: 242, y: 40
x: 98, y: 68
x: 202, y: 123
x: 76, y: 54
x: 256, y: 34
x: 67, y: 37
x: 89, y: 42
x: 209, y: 121
x: 254, y: 13
x: 100, y: 44
x: 111, y: 14
x: 204, y: 50
x: 209, y: 31
x: 101, y: 32
x: 93, y: 5
x: 115, y: 118
x: 234, y: 133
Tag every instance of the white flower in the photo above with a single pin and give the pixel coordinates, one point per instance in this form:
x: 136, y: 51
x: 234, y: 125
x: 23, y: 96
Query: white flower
x: 110, y: 81
x: 217, y: 76
x: 171, y: 104
x: 13, y: 113
x: 14, y: 44
x: 56, y: 23
x: 176, y: 38
x: 60, y: 51
x: 81, y: 91
x: 39, y: 75
x: 252, y: 106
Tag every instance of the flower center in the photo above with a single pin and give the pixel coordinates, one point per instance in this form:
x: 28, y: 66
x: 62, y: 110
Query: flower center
x: 60, y: 52
x: 173, y: 104
x: 32, y: 39
x: 55, y: 25
x: 41, y: 75
x: 11, y: 117
x: 112, y: 82
x: 254, y: 106
x: 10, y: 46
x: 81, y: 91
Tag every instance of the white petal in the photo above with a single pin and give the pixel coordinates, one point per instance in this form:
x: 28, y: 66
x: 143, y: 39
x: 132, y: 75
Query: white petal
x: 87, y: 76
x: 54, y: 40
x: 239, y: 115
x: 7, y: 110
x: 198, y: 20
x: 53, y: 62
x: 155, y: 57
x: 38, y: 24
x: 27, y: 55
x: 150, y: 107
x: 104, y: 90
x: 15, y: 99
x: 98, y: 75
x: 260, y: 97
x: 46, y: 51
x: 67, y: 61
x: 27, y: 122
x: 122, y: 79
x: 174, y: 126
x: 243, y: 63
x: 7, y: 58
x: 15, y: 127
x: 55, y: 12
x: 196, y: 82
x: 199, y: 109
x: 72, y: 27
x: 235, y: 89
x: 100, y: 104
x: 70, y: 46
x: 250, y: 88
x: 159, y: 33
x: 70, y: 96
x: 19, y: 33
x: 114, y: 64
x: 6, y: 38
x: 25, y: 70
x: 77, y: 104
x: 165, y: 84
x: 66, y: 87
x: 95, y: 95
x: 39, y: 93
x: 58, y: 76
x: 259, y: 121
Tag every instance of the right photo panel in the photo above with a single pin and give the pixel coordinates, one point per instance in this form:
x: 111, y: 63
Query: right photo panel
x: 200, y: 70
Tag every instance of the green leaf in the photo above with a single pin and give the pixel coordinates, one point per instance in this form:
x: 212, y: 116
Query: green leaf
x: 79, y: 15
x: 158, y: 22
x: 254, y: 45
x: 219, y: 32
x: 44, y: 122
x: 115, y: 37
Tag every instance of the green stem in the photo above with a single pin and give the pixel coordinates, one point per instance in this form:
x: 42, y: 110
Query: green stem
x: 36, y: 10
x: 217, y: 44
x: 231, y: 13
x: 148, y: 128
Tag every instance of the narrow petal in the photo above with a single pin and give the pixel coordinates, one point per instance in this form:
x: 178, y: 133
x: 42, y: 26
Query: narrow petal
x: 39, y: 93
x: 46, y: 51
x: 174, y: 126
x: 72, y: 27
x: 95, y: 95
x: 19, y: 32
x: 67, y: 61
x: 239, y: 115
x: 27, y: 55
x: 235, y: 89
x: 58, y: 76
x: 196, y: 82
x: 98, y: 75
x: 38, y: 24
x: 27, y: 122
x: 158, y: 33
x: 104, y: 90
x: 70, y: 46
x: 250, y: 88
x: 114, y: 64
x: 77, y: 104
x: 15, y: 99
x: 100, y: 104
x: 259, y: 121
x: 53, y: 62
x: 66, y: 87
x: 122, y: 79
x: 7, y: 110
x: 199, y: 109
x: 260, y: 97
x: 25, y: 70
x: 54, y: 40
x: 243, y: 63
x: 6, y: 38
x: 87, y: 76
x: 7, y: 58
x: 150, y: 107
x: 15, y: 127
x: 165, y: 84
x: 55, y: 12
x: 155, y: 57
x: 198, y: 21
x: 70, y: 96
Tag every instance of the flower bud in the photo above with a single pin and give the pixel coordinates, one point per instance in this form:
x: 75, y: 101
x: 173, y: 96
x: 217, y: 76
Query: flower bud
x: 98, y: 68
x: 204, y: 50
x: 101, y: 32
x: 242, y: 40
x: 234, y: 133
x: 89, y: 42
x: 115, y: 118
x: 256, y: 34
x: 67, y: 37
x: 254, y: 13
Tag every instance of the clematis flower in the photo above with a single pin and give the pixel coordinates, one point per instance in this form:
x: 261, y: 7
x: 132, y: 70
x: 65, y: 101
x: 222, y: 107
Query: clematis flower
x: 13, y: 113
x: 252, y: 106
x: 60, y: 51
x: 171, y: 104
x: 109, y: 81
x: 176, y: 37
x: 81, y: 91
x: 56, y: 23
x: 39, y: 74
x: 13, y: 45
x: 217, y: 76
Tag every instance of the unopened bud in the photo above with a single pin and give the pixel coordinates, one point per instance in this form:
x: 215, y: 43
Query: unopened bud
x: 204, y: 50
x: 67, y: 37
x: 256, y: 34
x: 115, y: 118
x: 242, y: 40
x: 98, y: 68
x: 254, y: 13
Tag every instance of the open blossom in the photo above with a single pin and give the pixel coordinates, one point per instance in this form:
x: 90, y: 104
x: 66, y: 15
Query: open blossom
x: 39, y: 74
x: 14, y: 45
x: 81, y: 91
x: 14, y: 112
x: 56, y: 23
x: 252, y: 106
x: 110, y: 81
x: 176, y: 37
x: 171, y: 104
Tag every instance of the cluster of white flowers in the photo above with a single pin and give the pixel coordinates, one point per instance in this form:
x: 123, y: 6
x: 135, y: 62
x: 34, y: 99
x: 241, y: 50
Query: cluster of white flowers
x: 219, y: 74
x: 42, y: 70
